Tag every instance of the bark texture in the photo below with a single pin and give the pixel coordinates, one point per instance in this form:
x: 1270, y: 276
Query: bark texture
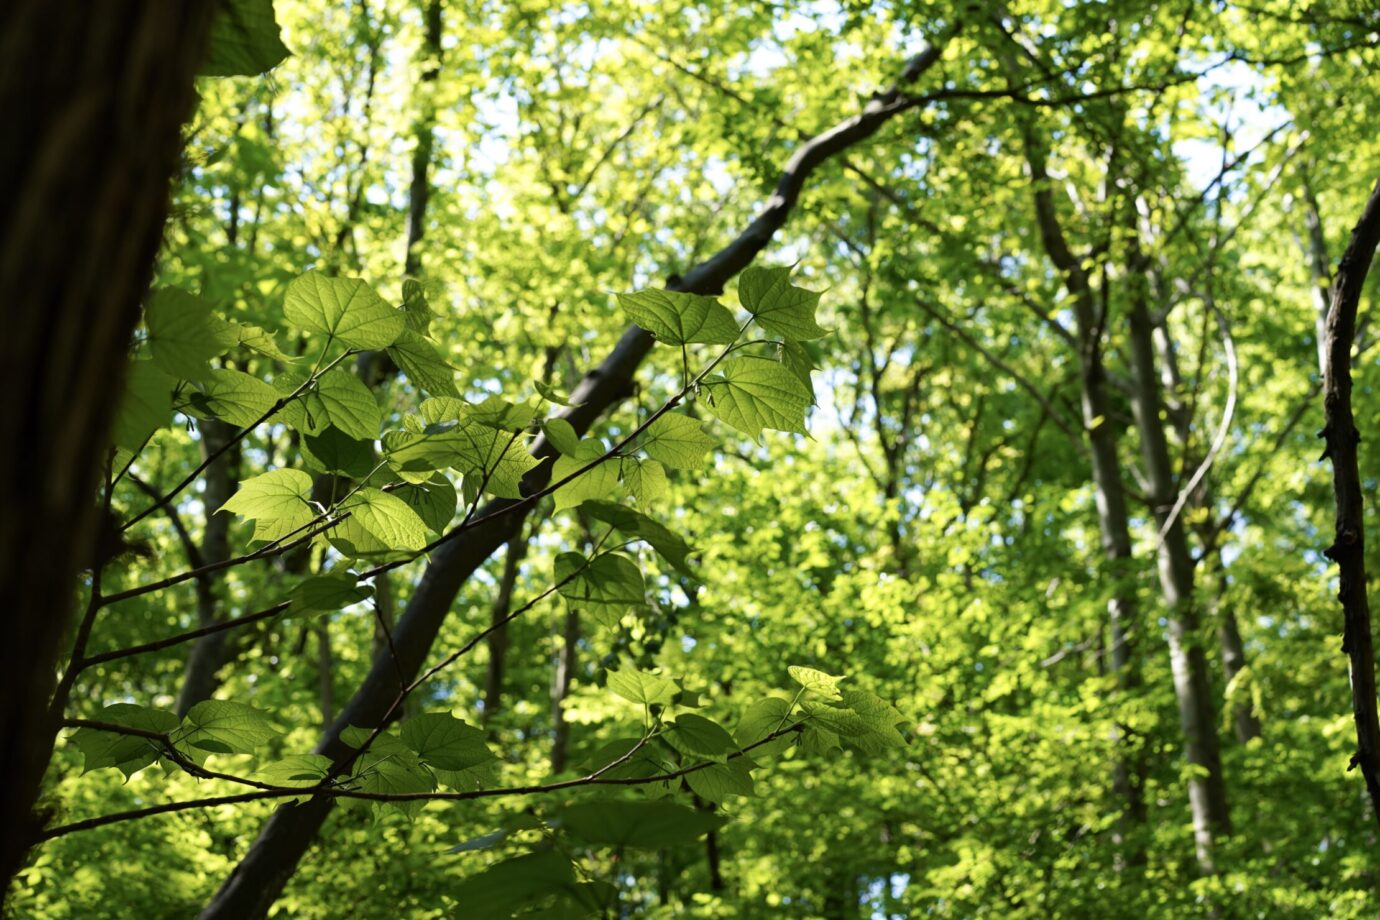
x: 1348, y: 549
x: 94, y: 98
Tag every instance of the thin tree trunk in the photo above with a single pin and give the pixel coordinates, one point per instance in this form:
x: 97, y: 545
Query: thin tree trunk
x: 94, y: 100
x: 420, y: 189
x: 199, y: 680
x: 1245, y: 722
x: 1319, y: 264
x: 325, y: 674
x: 258, y: 879
x: 498, y: 639
x: 1207, y: 790
x: 1113, y: 519
x: 1348, y: 549
x: 565, y: 674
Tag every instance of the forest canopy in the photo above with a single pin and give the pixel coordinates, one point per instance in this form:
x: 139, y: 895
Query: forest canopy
x: 603, y: 459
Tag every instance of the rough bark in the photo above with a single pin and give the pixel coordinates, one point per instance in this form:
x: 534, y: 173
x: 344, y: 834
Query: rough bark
x: 256, y: 882
x: 1342, y: 437
x: 94, y: 99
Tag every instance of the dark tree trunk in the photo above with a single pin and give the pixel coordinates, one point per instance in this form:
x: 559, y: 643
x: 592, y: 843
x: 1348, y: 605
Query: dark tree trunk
x: 94, y: 97
x: 208, y: 653
x: 498, y: 639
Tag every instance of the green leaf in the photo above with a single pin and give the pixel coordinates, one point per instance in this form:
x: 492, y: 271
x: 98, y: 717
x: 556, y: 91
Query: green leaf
x: 145, y: 407
x: 816, y: 740
x: 717, y: 782
x: 467, y: 446
x: 433, y: 500
x: 815, y: 681
x: 391, y: 777
x: 605, y: 587
x: 334, y: 451
x: 226, y: 727
x: 637, y: 824
x: 261, y: 341
x: 550, y: 395
x: 596, y: 482
x: 761, y: 719
x: 667, y: 544
x: 645, y: 479
x: 753, y: 393
x: 340, y: 399
x: 277, y: 502
x: 562, y: 436
x: 347, y: 309
x: 184, y: 333
x: 295, y: 770
x: 127, y: 753
x: 444, y: 741
x: 234, y: 397
x: 642, y: 687
x: 780, y: 307
x: 378, y: 523
x: 244, y: 40
x: 497, y: 412
x: 416, y: 308
x: 676, y: 440
x: 505, y: 887
x: 423, y: 364
x: 328, y: 593
x: 700, y: 737
x: 680, y: 319
x: 796, y: 358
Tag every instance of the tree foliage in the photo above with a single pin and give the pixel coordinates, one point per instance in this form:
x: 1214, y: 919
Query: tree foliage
x: 896, y: 420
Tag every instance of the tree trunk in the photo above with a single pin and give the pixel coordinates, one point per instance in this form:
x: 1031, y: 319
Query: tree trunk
x: 1207, y: 790
x: 560, y: 688
x: 1232, y: 648
x: 1113, y: 520
x: 1348, y: 549
x: 94, y: 98
x: 420, y: 191
x: 199, y: 680
x: 498, y: 639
